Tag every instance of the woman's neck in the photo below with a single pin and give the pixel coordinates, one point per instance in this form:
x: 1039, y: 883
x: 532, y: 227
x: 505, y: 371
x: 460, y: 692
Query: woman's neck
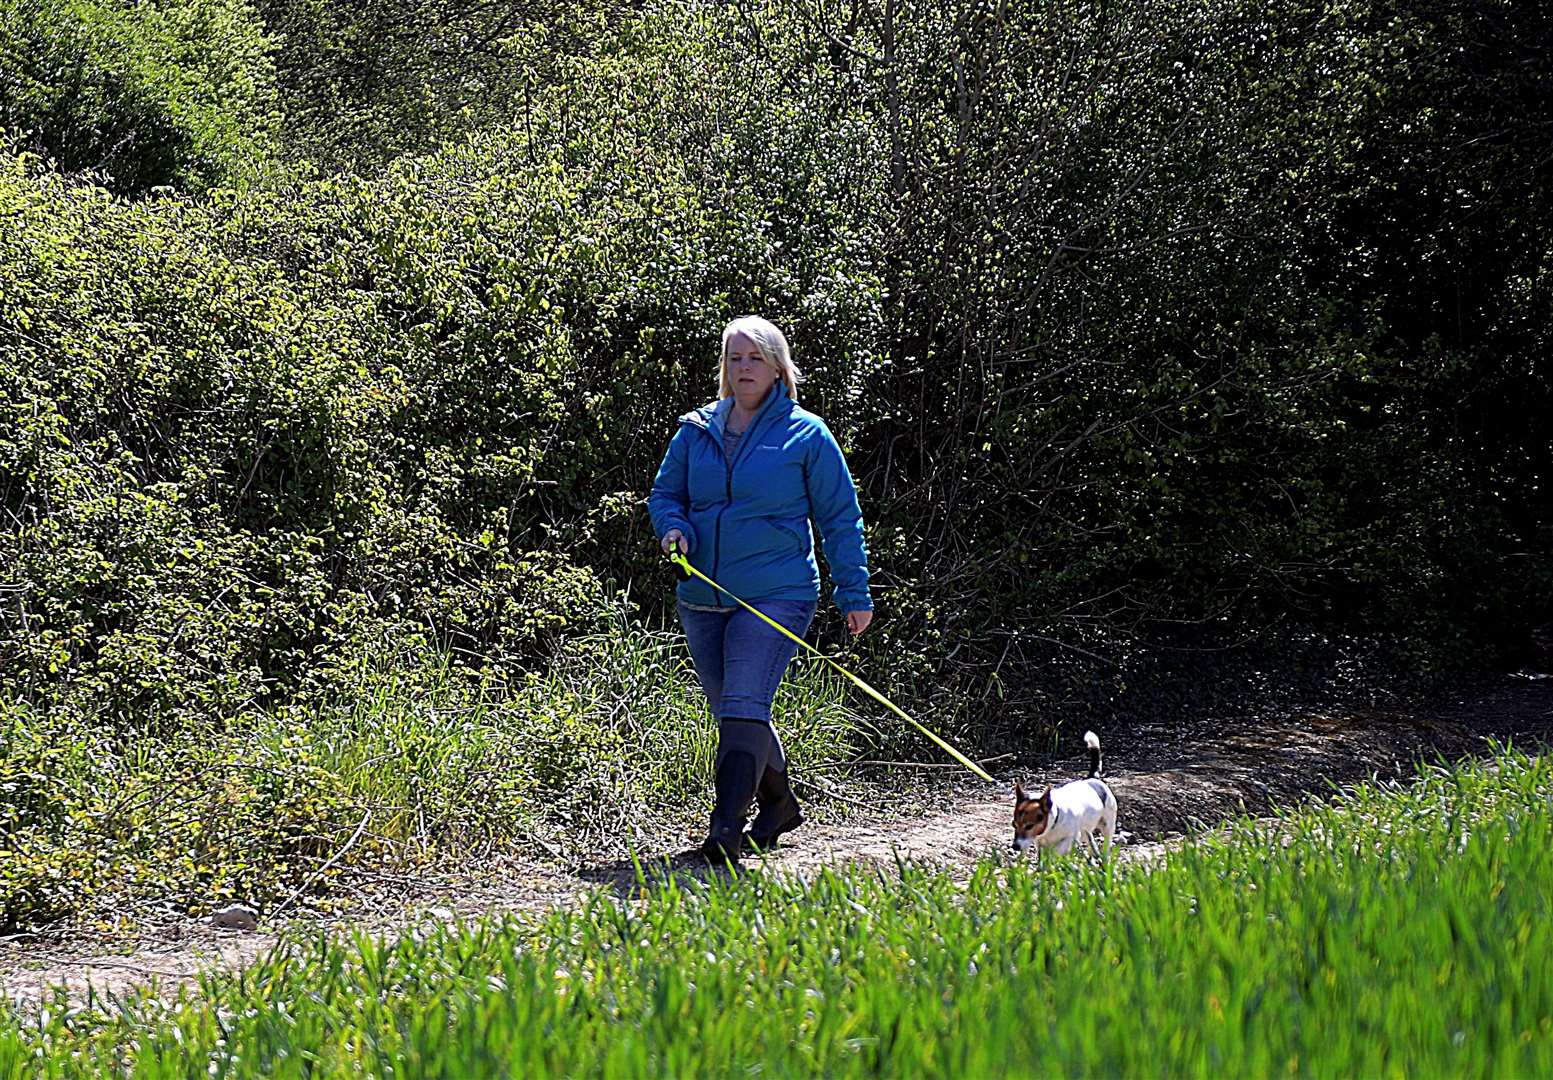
x: 743, y: 412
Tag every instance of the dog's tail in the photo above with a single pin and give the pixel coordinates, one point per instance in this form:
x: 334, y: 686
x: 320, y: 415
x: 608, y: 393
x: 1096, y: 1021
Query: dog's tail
x: 1092, y: 741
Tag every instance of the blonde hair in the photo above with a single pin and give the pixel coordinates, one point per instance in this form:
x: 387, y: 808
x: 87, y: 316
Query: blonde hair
x: 770, y: 342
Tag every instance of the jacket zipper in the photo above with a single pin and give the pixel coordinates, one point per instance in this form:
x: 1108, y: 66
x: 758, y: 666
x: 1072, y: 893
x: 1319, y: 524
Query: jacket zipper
x: 717, y: 527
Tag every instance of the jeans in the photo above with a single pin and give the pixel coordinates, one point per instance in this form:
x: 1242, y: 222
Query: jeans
x: 739, y: 659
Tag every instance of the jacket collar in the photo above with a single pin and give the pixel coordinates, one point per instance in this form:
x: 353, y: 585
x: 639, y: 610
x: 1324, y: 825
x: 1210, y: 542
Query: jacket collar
x: 714, y: 416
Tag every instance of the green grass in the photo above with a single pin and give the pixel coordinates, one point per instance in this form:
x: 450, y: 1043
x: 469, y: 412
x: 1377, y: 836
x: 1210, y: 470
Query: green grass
x: 1397, y: 931
x: 614, y: 733
x: 613, y: 738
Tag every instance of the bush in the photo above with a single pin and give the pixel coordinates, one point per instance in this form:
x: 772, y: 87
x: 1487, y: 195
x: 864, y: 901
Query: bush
x: 163, y: 92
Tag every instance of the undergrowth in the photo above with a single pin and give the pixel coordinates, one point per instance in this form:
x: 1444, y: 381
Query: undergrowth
x: 404, y: 767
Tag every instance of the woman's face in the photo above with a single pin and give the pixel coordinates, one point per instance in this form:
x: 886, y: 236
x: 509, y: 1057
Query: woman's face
x: 748, y: 374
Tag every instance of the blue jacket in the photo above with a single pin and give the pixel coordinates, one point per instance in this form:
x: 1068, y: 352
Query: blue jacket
x: 747, y: 520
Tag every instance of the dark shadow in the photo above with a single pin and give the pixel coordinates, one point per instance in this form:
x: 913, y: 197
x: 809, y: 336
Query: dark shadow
x: 630, y: 877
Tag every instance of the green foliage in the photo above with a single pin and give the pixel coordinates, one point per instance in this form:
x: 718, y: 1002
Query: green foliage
x: 91, y: 821
x: 1145, y: 234
x: 1147, y: 326
x: 225, y: 470
x: 403, y: 761
x: 421, y: 406
x: 1397, y: 930
x: 366, y: 82
x: 162, y: 92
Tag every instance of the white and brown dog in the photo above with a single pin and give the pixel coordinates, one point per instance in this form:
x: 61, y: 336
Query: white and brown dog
x: 1058, y: 817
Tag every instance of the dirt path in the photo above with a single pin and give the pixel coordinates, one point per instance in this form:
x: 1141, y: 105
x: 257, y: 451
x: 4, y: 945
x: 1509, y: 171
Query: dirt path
x: 1167, y: 782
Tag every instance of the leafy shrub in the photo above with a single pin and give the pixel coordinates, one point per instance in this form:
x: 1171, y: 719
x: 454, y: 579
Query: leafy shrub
x: 368, y: 82
x: 163, y: 92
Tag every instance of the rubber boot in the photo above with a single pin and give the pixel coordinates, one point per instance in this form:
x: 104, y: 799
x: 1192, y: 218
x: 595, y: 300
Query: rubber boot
x: 735, y: 790
x: 779, y: 810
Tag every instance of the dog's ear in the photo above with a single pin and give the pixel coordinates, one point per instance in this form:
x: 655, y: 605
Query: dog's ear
x: 1020, y: 795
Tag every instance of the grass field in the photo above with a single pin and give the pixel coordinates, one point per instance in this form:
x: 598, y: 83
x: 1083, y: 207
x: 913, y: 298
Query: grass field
x: 1400, y: 930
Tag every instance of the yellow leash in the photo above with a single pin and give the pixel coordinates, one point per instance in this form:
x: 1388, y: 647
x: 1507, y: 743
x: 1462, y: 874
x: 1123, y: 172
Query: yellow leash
x: 684, y: 564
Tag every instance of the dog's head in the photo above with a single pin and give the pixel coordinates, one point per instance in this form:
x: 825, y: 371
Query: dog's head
x: 1032, y: 813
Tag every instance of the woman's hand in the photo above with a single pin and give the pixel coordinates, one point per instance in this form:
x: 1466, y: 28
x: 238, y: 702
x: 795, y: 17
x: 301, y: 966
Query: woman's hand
x: 857, y: 621
x: 674, y: 537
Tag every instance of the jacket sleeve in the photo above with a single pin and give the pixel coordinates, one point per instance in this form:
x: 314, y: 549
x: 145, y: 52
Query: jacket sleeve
x: 670, y: 498
x: 833, y: 504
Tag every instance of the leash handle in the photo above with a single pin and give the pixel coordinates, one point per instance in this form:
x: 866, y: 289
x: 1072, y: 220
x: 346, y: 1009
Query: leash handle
x: 676, y: 557
x: 687, y: 570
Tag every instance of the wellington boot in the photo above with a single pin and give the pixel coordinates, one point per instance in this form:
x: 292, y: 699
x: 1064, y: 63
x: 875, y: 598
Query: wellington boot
x: 779, y: 811
x: 735, y: 785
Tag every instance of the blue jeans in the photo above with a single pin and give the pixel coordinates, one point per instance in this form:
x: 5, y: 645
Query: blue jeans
x: 739, y: 659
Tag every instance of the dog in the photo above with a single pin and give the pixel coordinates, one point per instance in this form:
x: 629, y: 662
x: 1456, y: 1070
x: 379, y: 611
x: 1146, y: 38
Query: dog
x: 1058, y: 817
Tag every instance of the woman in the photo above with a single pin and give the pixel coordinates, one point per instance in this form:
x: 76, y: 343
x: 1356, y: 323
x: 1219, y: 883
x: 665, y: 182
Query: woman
x: 741, y: 480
